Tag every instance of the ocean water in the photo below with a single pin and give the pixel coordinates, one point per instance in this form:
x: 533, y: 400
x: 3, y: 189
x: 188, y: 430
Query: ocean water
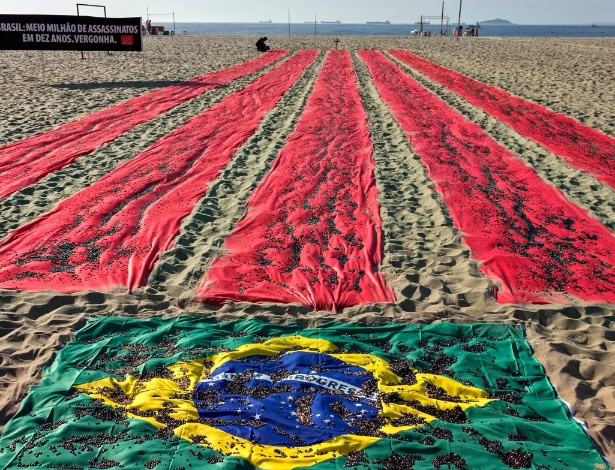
x: 272, y: 29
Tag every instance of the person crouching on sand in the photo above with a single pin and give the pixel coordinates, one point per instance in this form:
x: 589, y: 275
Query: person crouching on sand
x: 261, y: 46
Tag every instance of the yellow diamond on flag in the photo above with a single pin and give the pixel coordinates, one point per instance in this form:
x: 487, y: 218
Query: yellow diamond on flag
x: 287, y: 402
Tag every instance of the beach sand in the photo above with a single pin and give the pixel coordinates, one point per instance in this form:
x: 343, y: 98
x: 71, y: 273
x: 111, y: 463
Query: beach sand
x: 426, y: 263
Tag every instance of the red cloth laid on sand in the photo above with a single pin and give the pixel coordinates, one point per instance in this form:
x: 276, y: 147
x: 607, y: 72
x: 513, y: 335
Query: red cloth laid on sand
x: 27, y: 161
x: 111, y: 233
x: 312, y: 233
x: 539, y: 246
x: 579, y: 146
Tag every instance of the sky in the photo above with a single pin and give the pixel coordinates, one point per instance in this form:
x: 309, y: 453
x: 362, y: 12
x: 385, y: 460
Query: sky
x: 347, y: 11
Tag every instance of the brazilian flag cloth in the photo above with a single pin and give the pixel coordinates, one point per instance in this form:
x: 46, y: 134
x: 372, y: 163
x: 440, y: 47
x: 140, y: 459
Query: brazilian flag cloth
x: 188, y: 393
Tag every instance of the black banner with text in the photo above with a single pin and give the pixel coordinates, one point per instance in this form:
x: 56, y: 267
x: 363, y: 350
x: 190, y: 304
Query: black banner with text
x: 69, y: 33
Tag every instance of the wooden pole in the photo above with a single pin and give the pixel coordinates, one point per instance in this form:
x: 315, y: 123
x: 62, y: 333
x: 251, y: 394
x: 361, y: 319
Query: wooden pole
x: 314, y: 24
x: 289, y: 22
x: 459, y: 21
x: 82, y: 57
x: 442, y: 18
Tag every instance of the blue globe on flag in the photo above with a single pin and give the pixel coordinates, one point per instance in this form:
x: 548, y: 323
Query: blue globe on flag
x: 272, y: 401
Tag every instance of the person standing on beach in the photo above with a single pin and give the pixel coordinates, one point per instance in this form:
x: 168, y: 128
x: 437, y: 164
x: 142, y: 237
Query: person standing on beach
x: 261, y: 46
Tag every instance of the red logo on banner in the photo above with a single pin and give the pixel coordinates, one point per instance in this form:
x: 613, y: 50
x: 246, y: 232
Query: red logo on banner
x: 127, y: 40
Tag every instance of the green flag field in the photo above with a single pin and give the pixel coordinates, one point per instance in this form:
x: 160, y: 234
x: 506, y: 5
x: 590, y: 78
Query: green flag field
x: 188, y: 392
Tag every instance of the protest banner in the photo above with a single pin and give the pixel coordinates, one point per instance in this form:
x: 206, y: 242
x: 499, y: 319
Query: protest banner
x: 69, y: 33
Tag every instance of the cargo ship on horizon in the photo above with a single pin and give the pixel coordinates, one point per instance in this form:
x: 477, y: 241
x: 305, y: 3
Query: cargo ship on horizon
x: 379, y: 22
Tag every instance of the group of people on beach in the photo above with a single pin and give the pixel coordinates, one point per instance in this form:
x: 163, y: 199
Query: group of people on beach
x: 470, y: 31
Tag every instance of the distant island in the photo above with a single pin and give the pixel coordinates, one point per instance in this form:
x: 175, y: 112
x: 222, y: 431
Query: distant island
x: 497, y: 21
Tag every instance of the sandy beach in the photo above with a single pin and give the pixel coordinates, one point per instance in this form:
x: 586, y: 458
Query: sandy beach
x: 425, y: 261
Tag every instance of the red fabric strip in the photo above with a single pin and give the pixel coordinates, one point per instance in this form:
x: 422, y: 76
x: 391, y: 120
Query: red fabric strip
x: 580, y: 146
x: 25, y: 162
x: 528, y: 236
x: 312, y: 233
x: 110, y: 233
